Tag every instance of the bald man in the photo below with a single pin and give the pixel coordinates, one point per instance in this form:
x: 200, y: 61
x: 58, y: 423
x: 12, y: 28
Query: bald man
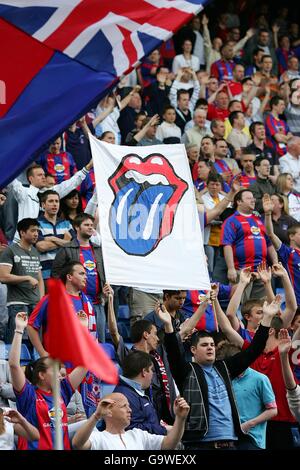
x: 116, y: 412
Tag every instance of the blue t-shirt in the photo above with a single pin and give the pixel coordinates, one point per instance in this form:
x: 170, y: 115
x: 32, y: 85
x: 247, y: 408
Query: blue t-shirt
x: 254, y: 394
x: 220, y: 426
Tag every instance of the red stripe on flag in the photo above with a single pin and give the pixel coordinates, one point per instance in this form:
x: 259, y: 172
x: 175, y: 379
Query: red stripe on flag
x: 89, y: 12
x: 22, y: 57
x: 128, y: 46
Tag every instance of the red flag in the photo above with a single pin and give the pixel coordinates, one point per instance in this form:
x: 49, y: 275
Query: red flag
x: 70, y: 341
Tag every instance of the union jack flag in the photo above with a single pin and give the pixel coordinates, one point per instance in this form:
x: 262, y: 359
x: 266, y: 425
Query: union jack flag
x: 63, y: 55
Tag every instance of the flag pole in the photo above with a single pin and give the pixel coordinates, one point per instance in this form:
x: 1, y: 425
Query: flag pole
x: 214, y: 287
x: 215, y: 315
x: 57, y: 408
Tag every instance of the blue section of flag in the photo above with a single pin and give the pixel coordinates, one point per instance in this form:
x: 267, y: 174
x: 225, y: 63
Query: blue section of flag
x: 100, y: 59
x: 29, y: 19
x: 66, y: 87
x: 58, y: 95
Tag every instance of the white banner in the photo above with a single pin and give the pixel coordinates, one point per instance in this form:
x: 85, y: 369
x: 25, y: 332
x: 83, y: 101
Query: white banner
x: 149, y: 224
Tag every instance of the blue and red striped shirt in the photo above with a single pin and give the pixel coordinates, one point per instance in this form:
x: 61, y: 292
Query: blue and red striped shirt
x: 246, y: 180
x: 38, y: 408
x: 195, y: 297
x: 61, y: 166
x: 274, y: 126
x: 247, y: 237
x: 222, y: 69
x: 88, y: 260
x: 290, y: 258
x: 39, y: 317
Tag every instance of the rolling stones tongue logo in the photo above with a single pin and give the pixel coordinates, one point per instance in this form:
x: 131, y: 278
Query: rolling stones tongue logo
x: 147, y: 193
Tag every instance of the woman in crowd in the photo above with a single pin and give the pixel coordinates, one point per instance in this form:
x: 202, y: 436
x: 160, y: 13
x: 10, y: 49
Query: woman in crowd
x: 282, y: 221
x: 34, y: 395
x: 285, y: 186
x: 11, y: 423
x: 71, y: 206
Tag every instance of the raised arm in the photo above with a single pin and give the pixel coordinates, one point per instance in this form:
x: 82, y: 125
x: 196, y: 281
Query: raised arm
x: 181, y: 410
x: 284, y: 346
x: 225, y: 325
x: 111, y: 317
x: 212, y: 214
x: 124, y: 102
x: 104, y: 114
x: 235, y: 301
x: 293, y: 390
x: 290, y: 298
x: 265, y: 275
x: 196, y: 90
x: 238, y: 363
x: 187, y: 327
x: 81, y: 439
x: 17, y: 374
x: 21, y: 426
x: 67, y: 186
x: 268, y: 208
x: 153, y: 121
x: 19, y: 191
x: 239, y: 45
x: 176, y: 359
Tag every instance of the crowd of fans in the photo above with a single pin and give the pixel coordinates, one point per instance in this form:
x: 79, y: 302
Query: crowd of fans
x: 200, y: 370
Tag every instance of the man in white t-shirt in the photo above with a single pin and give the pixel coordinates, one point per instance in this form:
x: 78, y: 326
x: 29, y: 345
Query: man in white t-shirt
x: 116, y: 412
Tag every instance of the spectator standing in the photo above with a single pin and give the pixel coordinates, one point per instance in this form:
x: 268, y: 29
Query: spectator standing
x: 282, y: 221
x: 290, y: 162
x: 71, y: 205
x: 248, y: 176
x: 28, y: 198
x: 261, y: 149
x: 82, y: 250
x: 212, y: 232
x: 289, y: 255
x: 285, y: 186
x: 186, y: 59
x: 198, y: 131
x: 206, y: 384
x: 222, y: 69
x: 53, y: 232
x: 58, y: 163
x: 262, y: 185
x: 255, y: 401
x: 184, y: 105
x: 135, y: 380
x: 144, y: 338
x: 116, y: 412
x: 226, y: 167
x: 13, y: 423
x: 167, y: 132
x: 34, y: 394
x: 237, y: 137
x: 292, y: 111
x: 20, y: 269
x: 277, y: 131
x: 244, y: 240
x: 292, y: 388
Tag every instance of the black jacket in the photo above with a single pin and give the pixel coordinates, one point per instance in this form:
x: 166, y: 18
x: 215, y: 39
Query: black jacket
x: 191, y: 382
